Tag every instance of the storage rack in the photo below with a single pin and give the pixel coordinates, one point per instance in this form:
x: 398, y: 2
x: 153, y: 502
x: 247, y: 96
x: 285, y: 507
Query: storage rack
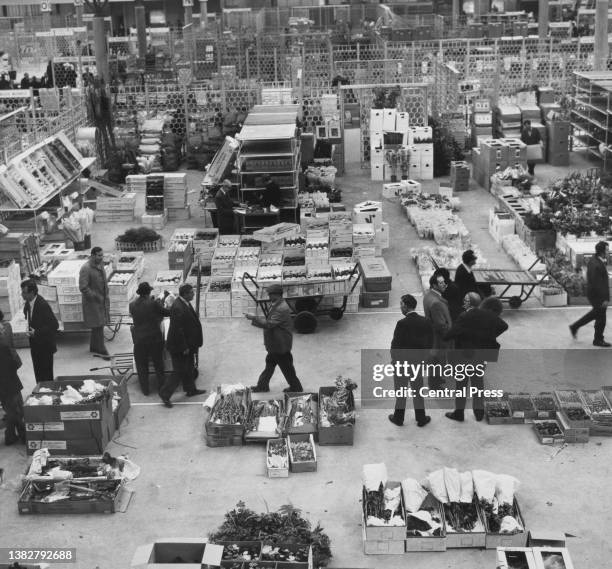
x: 590, y: 115
x: 269, y: 144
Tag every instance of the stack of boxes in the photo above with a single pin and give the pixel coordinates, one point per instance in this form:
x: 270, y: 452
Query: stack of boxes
x: 156, y: 214
x: 481, y: 121
x: 501, y: 223
x: 175, y: 197
x: 111, y: 209
x: 136, y: 183
x: 389, y: 128
x: 460, y: 176
x: 558, y: 142
x: 496, y: 155
x: 10, y: 290
x: 507, y: 121
x: 376, y: 283
x: 180, y: 250
x: 204, y: 244
x: 340, y: 235
x: 65, y: 277
x: 122, y: 287
x: 218, y: 300
x: 421, y: 153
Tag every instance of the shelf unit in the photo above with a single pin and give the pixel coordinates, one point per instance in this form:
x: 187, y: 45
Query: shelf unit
x: 590, y: 116
x: 269, y: 144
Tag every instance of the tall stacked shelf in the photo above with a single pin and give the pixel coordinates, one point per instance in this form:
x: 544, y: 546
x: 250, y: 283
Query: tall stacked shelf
x: 270, y: 144
x: 590, y: 116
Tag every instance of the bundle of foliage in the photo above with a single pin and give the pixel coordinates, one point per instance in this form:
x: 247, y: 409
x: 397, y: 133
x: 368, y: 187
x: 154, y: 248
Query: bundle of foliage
x: 284, y: 526
x: 562, y: 271
x: 446, y: 148
x: 538, y: 222
x: 139, y: 235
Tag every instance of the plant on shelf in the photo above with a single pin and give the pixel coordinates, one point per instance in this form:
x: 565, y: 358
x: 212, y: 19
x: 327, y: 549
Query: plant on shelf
x: 283, y: 526
x: 538, y: 221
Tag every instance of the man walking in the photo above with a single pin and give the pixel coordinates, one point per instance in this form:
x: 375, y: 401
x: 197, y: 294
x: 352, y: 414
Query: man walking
x: 464, y: 277
x: 415, y: 333
x: 147, y: 315
x: 183, y: 342
x: 598, y: 293
x: 96, y: 304
x: 42, y: 328
x: 475, y: 334
x: 225, y: 208
x: 531, y: 137
x: 278, y: 340
x: 437, y: 312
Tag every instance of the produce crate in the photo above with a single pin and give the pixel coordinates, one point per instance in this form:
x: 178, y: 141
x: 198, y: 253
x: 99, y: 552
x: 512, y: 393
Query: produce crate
x: 495, y: 540
x: 127, y: 290
x: 543, y: 554
x: 548, y: 438
x: 309, y: 427
x: 565, y: 396
x: 493, y: 419
x: 568, y: 412
x: 223, y: 441
x: 521, y: 406
x: 384, y: 533
x: 146, y: 246
x: 274, y: 472
x: 227, y: 431
x: 428, y: 543
x: 163, y: 553
x: 26, y: 505
x: 306, y: 465
x: 509, y: 557
x: 465, y: 540
x: 383, y: 546
x: 572, y: 434
x: 545, y: 405
x: 263, y: 436
x: 336, y: 434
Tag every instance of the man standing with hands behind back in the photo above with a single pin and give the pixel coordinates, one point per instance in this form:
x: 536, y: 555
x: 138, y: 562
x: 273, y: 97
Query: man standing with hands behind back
x: 598, y: 293
x: 184, y: 340
x: 42, y: 328
x: 96, y: 304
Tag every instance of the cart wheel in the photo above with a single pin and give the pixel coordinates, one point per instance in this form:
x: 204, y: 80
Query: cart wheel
x: 336, y: 313
x: 305, y: 322
x: 305, y: 305
x: 515, y: 302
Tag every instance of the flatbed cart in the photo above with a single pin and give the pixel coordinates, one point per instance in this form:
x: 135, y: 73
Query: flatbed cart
x: 305, y: 308
x: 506, y: 279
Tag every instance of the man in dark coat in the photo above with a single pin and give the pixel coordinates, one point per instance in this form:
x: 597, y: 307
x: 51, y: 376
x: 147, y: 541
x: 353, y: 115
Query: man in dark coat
x: 10, y: 386
x: 415, y: 333
x: 531, y: 137
x: 96, y: 303
x: 42, y: 329
x: 225, y: 208
x: 598, y: 293
x: 278, y: 340
x: 464, y: 277
x: 147, y: 315
x: 272, y: 193
x: 452, y: 295
x: 184, y: 340
x: 475, y: 334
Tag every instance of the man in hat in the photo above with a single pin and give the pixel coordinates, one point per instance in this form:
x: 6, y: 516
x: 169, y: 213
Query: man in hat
x: 278, y: 340
x: 464, y: 277
x: 147, y: 315
x: 225, y: 208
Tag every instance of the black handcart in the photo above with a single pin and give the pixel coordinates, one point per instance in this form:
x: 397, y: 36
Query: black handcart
x: 306, y: 305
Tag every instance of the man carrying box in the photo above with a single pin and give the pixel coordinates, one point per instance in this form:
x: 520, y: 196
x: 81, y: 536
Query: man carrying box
x: 531, y: 137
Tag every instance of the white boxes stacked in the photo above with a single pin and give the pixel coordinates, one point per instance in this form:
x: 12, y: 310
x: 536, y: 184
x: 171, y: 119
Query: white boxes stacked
x: 136, y: 183
x: 155, y: 221
x: 500, y: 224
x: 387, y: 122
x: 10, y: 291
x: 132, y: 261
x: 223, y: 262
x: 377, y: 153
x: 204, y: 245
x: 175, y: 196
x: 218, y: 300
x: 122, y: 287
x: 114, y: 209
x: 367, y: 219
x: 422, y: 153
x: 340, y: 232
x: 65, y: 277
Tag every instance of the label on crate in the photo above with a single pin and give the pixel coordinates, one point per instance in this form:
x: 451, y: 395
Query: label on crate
x: 93, y: 414
x: 51, y: 445
x: 32, y: 427
x: 40, y: 427
x: 518, y: 414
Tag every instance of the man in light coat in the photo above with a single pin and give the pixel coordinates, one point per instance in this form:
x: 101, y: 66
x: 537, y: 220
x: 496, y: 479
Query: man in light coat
x: 278, y: 340
x: 437, y: 312
x: 96, y: 303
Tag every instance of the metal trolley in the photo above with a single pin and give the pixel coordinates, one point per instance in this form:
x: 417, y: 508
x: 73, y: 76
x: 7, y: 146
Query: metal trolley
x: 305, y: 307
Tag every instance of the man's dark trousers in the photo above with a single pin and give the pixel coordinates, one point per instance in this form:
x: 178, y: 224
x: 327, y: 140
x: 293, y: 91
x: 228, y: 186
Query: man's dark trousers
x: 417, y: 400
x: 144, y: 352
x: 183, y: 366
x: 285, y: 363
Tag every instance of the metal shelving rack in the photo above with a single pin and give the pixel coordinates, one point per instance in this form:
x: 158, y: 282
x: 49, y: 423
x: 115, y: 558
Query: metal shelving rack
x: 590, y: 115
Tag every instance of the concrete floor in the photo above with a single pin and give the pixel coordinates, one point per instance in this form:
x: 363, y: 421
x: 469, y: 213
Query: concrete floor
x: 185, y: 487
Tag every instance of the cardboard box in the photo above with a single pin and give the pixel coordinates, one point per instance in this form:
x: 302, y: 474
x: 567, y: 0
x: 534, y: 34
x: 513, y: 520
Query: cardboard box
x: 368, y: 212
x: 546, y: 556
x: 162, y: 553
x: 466, y: 540
x: 336, y: 434
x: 376, y: 275
x: 274, y: 472
x: 308, y: 428
x: 364, y: 234
x: 388, y: 120
x: 495, y: 540
x: 376, y: 120
x: 382, y: 546
x: 509, y: 557
x: 548, y: 439
x: 428, y: 543
x: 375, y: 299
x: 302, y: 466
x: 378, y: 172
x: 384, y: 533
x: 545, y: 538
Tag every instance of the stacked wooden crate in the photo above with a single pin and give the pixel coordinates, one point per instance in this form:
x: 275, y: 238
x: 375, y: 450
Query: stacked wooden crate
x: 113, y: 209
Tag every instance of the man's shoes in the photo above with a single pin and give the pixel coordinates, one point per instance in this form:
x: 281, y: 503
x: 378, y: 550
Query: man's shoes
x: 395, y: 421
x: 454, y: 416
x: 573, y: 332
x: 292, y: 390
x: 424, y: 421
x: 601, y: 344
x: 479, y: 415
x: 195, y: 392
x: 257, y: 389
x: 167, y: 403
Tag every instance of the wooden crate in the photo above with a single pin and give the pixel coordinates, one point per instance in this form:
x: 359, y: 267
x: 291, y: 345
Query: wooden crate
x: 549, y: 439
x: 302, y: 466
x: 277, y: 472
x: 336, y: 434
x: 495, y: 540
x: 428, y: 543
x: 147, y: 246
